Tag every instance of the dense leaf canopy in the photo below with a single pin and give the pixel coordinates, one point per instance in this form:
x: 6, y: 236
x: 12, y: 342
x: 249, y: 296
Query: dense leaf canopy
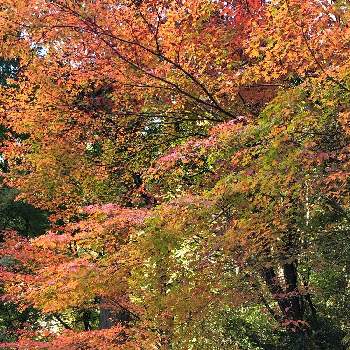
x: 193, y: 158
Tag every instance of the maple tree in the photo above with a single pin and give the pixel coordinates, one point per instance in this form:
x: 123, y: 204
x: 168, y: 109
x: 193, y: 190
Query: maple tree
x: 194, y: 159
x: 23, y: 218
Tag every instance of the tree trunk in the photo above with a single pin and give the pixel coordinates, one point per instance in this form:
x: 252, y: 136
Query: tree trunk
x: 106, y: 317
x: 288, y: 298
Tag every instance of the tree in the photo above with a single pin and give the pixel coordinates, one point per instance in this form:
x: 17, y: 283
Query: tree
x: 236, y: 117
x: 19, y: 216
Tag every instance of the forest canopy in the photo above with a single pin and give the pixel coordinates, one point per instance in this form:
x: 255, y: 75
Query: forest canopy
x: 174, y: 174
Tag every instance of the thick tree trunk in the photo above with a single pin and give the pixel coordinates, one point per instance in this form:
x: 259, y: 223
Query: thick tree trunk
x: 288, y: 298
x: 293, y: 297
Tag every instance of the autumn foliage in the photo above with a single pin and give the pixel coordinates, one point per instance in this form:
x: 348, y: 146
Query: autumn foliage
x: 193, y: 158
